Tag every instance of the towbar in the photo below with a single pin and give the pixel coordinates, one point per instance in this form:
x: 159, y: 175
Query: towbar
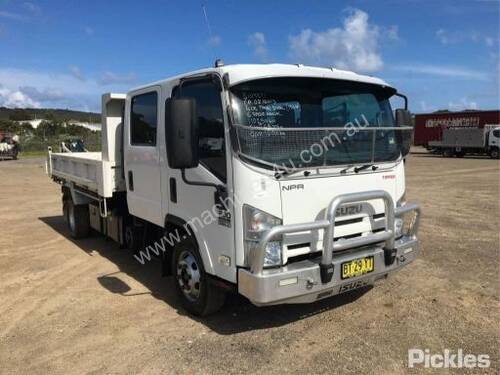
x: 326, y: 266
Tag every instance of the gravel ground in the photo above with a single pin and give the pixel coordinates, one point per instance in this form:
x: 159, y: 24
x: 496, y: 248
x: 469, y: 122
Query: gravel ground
x: 89, y: 307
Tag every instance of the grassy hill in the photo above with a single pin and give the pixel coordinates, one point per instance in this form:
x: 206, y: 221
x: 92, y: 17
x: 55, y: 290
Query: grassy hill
x: 60, y: 115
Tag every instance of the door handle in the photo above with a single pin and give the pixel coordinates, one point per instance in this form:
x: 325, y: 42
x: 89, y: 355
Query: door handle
x: 130, y: 181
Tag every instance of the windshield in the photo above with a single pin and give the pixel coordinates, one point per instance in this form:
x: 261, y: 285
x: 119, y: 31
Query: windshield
x: 303, y: 122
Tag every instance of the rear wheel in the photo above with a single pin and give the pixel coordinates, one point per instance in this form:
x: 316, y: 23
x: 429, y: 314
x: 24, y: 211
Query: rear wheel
x: 197, y: 294
x: 133, y: 237
x: 77, y: 218
x: 447, y: 153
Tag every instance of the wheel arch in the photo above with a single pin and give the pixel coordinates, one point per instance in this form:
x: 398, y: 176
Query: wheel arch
x: 185, y: 230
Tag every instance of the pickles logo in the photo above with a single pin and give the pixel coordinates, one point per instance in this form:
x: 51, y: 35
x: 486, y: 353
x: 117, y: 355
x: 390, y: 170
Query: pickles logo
x: 447, y: 359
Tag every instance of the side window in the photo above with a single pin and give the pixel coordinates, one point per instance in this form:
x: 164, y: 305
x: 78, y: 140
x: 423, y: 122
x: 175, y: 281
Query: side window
x: 143, y: 119
x: 212, y: 152
x: 496, y: 133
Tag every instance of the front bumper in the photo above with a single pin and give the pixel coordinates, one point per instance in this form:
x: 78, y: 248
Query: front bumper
x: 311, y: 280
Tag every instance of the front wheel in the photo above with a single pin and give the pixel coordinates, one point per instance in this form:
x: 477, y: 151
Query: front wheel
x: 197, y: 294
x: 494, y: 154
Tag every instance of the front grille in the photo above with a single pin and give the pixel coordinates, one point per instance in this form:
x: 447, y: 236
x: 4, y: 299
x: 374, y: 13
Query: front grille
x: 339, y: 223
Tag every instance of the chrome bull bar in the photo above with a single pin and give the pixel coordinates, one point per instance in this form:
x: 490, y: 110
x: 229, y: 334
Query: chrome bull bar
x: 326, y: 266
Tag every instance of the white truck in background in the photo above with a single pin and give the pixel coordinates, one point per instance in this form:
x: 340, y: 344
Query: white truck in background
x: 284, y: 183
x: 465, y: 140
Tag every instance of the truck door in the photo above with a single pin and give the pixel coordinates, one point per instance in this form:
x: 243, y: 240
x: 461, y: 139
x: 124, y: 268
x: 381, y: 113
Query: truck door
x: 494, y: 138
x: 195, y: 204
x: 142, y: 161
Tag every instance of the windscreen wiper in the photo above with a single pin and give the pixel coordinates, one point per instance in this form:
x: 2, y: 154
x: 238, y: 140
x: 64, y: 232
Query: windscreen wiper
x: 284, y: 173
x: 366, y: 166
x: 344, y: 171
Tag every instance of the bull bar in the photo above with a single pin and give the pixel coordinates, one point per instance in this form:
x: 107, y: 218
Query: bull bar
x: 326, y: 266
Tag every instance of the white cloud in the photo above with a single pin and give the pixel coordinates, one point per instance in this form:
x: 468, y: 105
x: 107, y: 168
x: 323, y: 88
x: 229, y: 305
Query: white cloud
x: 76, y: 72
x: 392, y: 32
x: 56, y: 90
x: 45, y: 95
x: 442, y: 36
x: 442, y: 70
x: 12, y: 16
x: 425, y: 107
x: 447, y: 37
x: 214, y: 41
x: 257, y: 41
x: 88, y: 30
x: 463, y: 103
x: 33, y: 8
x: 16, y: 99
x: 109, y: 78
x: 353, y: 46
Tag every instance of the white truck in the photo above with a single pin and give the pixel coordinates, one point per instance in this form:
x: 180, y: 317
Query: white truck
x: 473, y: 140
x: 284, y: 183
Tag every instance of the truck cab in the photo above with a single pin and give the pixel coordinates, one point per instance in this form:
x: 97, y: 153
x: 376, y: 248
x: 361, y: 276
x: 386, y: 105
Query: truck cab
x: 492, y: 137
x: 284, y: 183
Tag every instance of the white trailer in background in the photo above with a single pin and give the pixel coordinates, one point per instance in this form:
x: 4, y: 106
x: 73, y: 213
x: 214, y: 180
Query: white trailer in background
x: 284, y: 183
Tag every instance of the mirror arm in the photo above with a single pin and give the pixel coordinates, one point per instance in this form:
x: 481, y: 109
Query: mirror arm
x: 220, y: 188
x: 404, y: 98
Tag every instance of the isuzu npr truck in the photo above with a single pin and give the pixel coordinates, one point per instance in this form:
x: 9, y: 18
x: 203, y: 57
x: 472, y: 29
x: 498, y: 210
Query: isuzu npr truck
x: 284, y: 183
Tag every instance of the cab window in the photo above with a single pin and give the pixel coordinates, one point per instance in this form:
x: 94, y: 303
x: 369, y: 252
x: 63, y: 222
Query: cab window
x: 143, y: 119
x: 212, y: 151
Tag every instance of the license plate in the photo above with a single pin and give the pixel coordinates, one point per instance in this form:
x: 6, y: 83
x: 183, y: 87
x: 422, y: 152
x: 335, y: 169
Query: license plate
x: 357, y: 267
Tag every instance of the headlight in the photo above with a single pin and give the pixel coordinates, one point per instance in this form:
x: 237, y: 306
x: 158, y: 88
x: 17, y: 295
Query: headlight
x: 405, y: 224
x: 256, y: 223
x: 398, y: 227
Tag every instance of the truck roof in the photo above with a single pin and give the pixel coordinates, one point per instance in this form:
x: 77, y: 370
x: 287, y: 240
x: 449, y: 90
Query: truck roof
x: 245, y: 72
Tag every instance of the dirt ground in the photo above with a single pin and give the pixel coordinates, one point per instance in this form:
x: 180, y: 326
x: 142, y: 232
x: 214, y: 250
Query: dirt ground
x: 89, y: 307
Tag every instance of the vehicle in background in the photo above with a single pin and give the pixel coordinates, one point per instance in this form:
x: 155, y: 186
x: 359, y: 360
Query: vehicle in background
x: 284, y: 183
x: 459, y: 133
x: 9, y: 146
x: 460, y: 141
x: 72, y: 145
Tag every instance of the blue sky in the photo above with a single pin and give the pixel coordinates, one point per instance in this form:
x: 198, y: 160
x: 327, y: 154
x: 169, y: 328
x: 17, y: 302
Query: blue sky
x: 64, y: 54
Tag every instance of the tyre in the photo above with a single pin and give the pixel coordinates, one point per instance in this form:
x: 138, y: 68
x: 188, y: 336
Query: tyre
x: 447, y: 153
x: 494, y: 154
x: 133, y: 237
x: 197, y: 295
x: 77, y: 218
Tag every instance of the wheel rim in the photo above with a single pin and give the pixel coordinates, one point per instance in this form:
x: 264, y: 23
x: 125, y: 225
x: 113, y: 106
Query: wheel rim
x: 188, y: 275
x: 129, y: 235
x: 71, y: 217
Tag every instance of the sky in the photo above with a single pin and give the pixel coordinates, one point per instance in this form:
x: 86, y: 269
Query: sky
x: 65, y: 54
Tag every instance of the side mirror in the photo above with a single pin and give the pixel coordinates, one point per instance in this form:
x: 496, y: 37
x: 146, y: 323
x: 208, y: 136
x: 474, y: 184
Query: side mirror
x: 403, y: 117
x: 181, y: 132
